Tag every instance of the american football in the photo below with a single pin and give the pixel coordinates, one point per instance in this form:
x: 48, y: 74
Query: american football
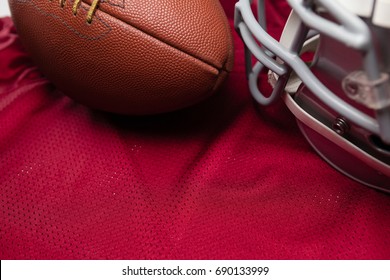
x: 133, y: 57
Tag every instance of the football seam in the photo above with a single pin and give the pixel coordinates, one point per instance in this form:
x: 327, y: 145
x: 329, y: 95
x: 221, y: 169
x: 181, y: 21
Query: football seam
x: 219, y: 69
x: 43, y: 12
x: 230, y: 50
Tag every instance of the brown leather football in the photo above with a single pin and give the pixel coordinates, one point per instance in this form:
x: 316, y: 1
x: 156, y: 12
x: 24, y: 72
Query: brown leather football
x: 128, y: 56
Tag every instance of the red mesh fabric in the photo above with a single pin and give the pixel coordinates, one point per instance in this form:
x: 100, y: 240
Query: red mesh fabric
x: 221, y: 180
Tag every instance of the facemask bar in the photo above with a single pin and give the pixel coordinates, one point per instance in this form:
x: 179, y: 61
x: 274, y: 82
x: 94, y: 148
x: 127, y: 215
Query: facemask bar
x: 352, y: 31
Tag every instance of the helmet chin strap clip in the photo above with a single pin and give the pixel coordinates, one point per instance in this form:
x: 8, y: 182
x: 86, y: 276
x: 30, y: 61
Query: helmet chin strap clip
x: 374, y: 94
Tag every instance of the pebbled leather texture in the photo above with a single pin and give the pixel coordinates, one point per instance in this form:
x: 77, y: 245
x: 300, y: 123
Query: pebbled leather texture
x: 135, y: 57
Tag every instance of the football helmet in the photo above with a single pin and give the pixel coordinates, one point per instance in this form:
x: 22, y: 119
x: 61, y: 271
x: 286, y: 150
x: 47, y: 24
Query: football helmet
x: 331, y: 67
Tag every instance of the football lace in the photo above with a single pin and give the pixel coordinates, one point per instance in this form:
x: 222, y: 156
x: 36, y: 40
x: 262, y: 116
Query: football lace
x: 76, y: 6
